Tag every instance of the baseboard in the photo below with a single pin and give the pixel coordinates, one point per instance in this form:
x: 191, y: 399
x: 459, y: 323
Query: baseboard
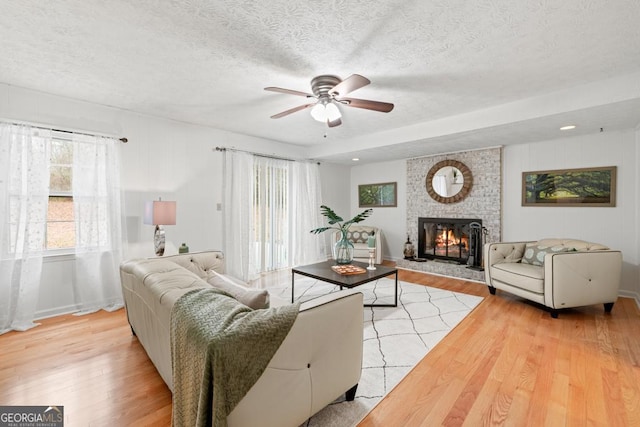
x: 630, y: 294
x: 57, y: 311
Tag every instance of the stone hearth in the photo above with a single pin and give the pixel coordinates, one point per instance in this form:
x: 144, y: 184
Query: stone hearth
x: 443, y: 269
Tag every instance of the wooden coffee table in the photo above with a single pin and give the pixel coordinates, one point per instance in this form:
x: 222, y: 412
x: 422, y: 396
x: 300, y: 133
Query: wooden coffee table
x: 322, y: 271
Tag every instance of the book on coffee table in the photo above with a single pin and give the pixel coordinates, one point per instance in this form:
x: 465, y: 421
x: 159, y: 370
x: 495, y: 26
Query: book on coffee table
x: 348, y: 269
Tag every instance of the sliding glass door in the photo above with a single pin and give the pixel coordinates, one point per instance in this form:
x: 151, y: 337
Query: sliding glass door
x: 271, y: 214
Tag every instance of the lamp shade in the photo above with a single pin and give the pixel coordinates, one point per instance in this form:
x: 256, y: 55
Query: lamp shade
x: 159, y: 212
x: 318, y: 113
x: 325, y: 110
x: 332, y: 112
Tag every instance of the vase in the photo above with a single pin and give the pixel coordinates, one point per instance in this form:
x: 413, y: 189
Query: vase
x: 343, y: 250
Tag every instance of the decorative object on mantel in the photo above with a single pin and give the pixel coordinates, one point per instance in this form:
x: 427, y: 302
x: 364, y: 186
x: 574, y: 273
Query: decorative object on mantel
x: 159, y: 213
x: 409, y: 250
x: 343, y: 248
x: 384, y: 195
x: 183, y: 249
x: 449, y: 181
x: 570, y: 187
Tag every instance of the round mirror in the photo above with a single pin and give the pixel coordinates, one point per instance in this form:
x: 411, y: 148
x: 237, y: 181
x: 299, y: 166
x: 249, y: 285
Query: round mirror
x: 449, y: 181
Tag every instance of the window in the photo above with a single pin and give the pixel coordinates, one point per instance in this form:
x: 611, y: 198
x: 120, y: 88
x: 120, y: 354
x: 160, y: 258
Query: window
x: 60, y: 215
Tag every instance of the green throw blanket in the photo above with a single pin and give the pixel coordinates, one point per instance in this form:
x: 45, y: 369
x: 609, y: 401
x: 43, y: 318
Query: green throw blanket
x: 219, y: 349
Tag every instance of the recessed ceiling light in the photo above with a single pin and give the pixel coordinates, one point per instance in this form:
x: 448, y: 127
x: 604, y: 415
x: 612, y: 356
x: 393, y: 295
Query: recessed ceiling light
x: 568, y: 127
x: 355, y: 159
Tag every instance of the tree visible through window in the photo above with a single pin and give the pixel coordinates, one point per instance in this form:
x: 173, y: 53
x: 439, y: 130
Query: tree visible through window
x: 60, y: 217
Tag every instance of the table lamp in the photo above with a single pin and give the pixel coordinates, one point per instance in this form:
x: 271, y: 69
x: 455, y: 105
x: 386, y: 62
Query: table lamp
x: 159, y: 213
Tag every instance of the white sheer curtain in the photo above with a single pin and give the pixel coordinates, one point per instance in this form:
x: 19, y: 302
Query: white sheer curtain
x: 98, y: 222
x: 238, y: 211
x: 270, y: 206
x: 306, y: 199
x: 24, y: 196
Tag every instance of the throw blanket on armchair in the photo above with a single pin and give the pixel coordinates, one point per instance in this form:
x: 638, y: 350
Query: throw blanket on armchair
x: 219, y: 349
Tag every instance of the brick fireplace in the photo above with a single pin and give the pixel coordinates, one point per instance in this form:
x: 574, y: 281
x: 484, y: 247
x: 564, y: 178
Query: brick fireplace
x: 483, y: 204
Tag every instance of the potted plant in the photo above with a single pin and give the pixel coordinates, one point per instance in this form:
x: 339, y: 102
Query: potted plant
x: 343, y: 248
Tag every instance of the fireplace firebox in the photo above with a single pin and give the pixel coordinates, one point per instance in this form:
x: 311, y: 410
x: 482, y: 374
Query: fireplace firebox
x: 456, y: 240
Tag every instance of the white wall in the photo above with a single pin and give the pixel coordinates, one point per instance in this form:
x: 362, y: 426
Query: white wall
x: 616, y: 227
x: 392, y: 221
x: 335, y: 182
x: 163, y: 158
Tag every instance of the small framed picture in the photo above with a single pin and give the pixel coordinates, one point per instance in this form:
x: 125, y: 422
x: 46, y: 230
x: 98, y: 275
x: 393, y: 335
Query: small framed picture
x: 384, y: 195
x: 570, y: 187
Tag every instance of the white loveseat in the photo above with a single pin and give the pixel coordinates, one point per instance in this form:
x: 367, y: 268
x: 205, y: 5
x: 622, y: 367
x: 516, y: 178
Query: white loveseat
x: 320, y: 358
x: 557, y: 273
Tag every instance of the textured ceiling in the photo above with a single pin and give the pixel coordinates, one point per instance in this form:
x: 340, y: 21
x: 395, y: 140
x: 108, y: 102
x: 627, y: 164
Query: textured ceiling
x: 438, y: 61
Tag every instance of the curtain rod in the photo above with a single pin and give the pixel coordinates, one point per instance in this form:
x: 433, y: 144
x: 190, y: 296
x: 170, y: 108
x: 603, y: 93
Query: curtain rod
x: 51, y: 128
x: 262, y: 155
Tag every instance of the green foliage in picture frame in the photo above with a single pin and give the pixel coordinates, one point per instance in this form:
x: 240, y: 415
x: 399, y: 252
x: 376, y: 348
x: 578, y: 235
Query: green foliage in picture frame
x: 378, y: 195
x: 570, y: 187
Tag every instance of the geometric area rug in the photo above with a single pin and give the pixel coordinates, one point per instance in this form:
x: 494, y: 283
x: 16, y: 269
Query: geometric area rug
x: 395, y: 338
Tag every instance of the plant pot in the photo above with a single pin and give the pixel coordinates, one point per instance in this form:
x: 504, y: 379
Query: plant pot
x: 343, y: 250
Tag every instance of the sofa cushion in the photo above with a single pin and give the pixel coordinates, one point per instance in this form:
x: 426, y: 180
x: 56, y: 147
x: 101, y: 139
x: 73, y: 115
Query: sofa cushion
x: 524, y: 276
x: 573, y: 244
x: 198, y: 262
x: 534, y: 253
x: 253, y: 298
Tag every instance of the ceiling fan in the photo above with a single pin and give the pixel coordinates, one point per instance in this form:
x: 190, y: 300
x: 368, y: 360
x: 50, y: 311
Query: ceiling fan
x: 328, y: 93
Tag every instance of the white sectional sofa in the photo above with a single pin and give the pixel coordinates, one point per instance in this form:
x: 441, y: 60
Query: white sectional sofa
x: 320, y: 358
x: 557, y: 273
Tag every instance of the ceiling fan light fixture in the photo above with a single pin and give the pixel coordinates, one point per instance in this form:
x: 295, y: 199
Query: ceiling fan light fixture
x: 332, y: 112
x: 319, y: 112
x: 325, y: 111
x: 328, y: 91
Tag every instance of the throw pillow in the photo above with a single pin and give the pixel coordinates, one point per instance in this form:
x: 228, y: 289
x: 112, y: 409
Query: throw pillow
x: 534, y: 254
x: 253, y: 298
x: 358, y: 236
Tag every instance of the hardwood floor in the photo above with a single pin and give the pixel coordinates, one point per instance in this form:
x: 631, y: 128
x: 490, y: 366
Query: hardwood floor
x: 507, y: 363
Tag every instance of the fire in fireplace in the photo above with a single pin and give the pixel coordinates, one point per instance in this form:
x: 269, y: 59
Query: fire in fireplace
x: 449, y: 239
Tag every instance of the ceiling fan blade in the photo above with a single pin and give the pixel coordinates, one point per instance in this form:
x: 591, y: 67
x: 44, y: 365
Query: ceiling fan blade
x: 288, y: 91
x: 292, y: 110
x: 383, y: 107
x: 348, y: 85
x: 336, y: 122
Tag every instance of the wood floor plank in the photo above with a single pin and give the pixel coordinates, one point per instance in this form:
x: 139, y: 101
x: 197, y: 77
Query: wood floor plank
x: 507, y: 363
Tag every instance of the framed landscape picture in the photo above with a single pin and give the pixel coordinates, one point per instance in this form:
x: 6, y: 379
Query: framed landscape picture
x: 570, y: 187
x: 378, y: 195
